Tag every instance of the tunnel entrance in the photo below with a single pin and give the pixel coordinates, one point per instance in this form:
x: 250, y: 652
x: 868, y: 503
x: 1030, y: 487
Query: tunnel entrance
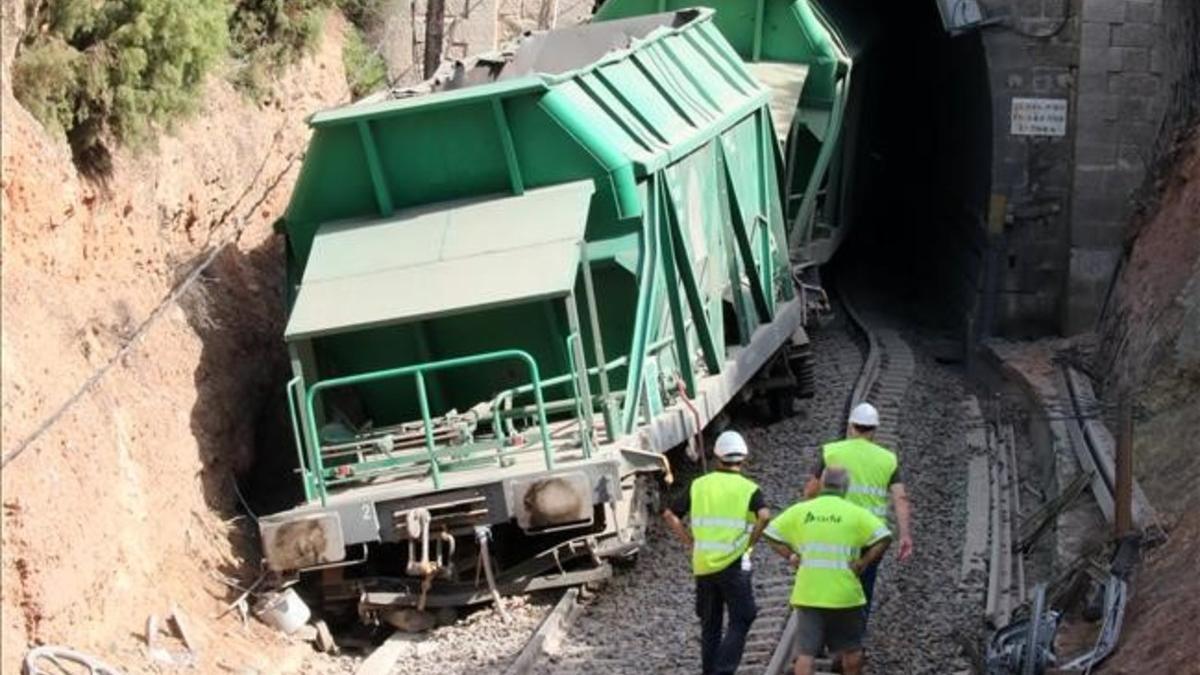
x: 921, y: 127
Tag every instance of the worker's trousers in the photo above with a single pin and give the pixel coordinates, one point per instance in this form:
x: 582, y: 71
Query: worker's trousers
x: 868, y: 585
x: 730, y: 589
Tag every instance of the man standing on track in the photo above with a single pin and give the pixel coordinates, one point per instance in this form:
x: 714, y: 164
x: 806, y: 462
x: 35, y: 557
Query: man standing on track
x: 830, y: 541
x: 874, y: 476
x: 728, y: 514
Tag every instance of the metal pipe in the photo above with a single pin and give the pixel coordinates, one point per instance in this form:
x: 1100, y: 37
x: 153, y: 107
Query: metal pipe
x: 556, y: 381
x: 451, y: 545
x: 823, y: 52
x: 647, y: 278
x: 551, y: 407
x: 672, y: 270
x: 423, y: 399
x: 292, y: 412
x: 619, y: 167
x: 1123, y: 509
x: 585, y: 388
x: 576, y: 395
x: 483, y: 534
x: 589, y: 290
x: 417, y: 526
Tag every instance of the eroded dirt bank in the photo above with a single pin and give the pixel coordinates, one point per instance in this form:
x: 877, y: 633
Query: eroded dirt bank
x: 115, y: 511
x: 1151, y: 343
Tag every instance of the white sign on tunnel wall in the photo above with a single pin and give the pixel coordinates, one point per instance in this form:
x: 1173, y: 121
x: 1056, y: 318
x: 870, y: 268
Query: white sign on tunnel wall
x: 1039, y: 117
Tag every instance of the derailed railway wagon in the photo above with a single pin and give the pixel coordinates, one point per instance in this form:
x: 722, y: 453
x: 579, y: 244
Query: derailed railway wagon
x: 511, y: 295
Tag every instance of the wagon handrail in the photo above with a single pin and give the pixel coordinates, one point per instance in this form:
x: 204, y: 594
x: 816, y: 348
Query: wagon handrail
x: 560, y: 380
x: 418, y: 372
x: 292, y: 386
x: 556, y: 381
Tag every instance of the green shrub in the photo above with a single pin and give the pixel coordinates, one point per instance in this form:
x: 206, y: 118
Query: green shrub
x: 269, y: 34
x: 365, y: 69
x: 101, y: 70
x: 364, y: 13
x: 45, y: 81
x: 159, y: 53
x: 120, y: 67
x: 286, y: 27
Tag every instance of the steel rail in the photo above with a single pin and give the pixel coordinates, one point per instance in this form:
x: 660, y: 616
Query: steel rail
x: 556, y: 624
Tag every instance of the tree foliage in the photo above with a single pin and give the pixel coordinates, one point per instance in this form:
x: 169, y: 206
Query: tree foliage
x: 119, y: 68
x: 365, y: 69
x: 103, y: 71
x: 269, y: 34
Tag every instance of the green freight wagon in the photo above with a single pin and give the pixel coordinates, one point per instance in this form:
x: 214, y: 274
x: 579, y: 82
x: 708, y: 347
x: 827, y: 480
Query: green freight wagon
x: 795, y: 51
x: 510, y: 295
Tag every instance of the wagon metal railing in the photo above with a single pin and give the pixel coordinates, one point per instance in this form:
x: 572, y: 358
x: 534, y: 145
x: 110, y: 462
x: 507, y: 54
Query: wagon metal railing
x: 316, y: 483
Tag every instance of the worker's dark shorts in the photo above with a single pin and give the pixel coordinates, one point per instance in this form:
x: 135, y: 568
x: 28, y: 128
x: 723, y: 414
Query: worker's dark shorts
x: 841, y: 630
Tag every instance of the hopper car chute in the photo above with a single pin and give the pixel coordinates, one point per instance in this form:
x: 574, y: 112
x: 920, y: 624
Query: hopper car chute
x: 511, y: 294
x: 794, y: 49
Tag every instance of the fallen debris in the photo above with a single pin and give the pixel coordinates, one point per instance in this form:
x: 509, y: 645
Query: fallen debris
x: 1039, y: 521
x: 325, y: 642
x: 180, y: 621
x: 158, y: 653
x: 1026, y: 645
x: 1116, y: 596
x: 241, y: 603
x: 181, y: 628
x: 55, y: 656
x: 282, y: 610
x: 1099, y: 442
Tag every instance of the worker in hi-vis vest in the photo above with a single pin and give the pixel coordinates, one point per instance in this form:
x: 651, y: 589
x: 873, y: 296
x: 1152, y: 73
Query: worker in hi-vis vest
x: 874, y: 477
x: 830, y: 541
x: 727, y: 514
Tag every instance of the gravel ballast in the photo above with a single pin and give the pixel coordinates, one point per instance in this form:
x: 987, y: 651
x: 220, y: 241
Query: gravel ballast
x: 919, y: 611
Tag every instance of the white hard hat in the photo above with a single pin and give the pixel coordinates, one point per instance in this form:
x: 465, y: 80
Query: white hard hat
x: 730, y: 447
x: 864, y: 415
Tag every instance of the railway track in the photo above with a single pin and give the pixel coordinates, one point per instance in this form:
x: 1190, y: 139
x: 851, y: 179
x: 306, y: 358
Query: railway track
x: 883, y: 380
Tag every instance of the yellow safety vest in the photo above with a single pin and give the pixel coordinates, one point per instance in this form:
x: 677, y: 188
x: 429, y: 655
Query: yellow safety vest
x: 870, y: 467
x: 828, y: 533
x: 720, y: 519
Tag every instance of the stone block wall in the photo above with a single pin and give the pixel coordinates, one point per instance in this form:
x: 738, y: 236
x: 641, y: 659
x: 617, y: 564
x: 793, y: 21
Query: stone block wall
x: 1060, y: 205
x: 1119, y: 107
x: 1032, y: 53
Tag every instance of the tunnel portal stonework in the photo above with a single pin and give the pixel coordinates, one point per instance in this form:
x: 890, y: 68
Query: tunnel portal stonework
x: 1061, y: 198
